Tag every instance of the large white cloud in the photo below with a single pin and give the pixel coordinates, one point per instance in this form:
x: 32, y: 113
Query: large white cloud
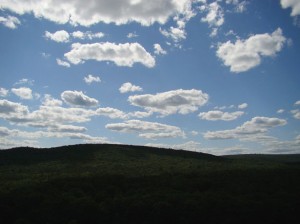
x: 23, y: 92
x: 149, y: 130
x: 256, y: 126
x: 60, y: 36
x: 121, y: 54
x: 246, y: 54
x: 216, y: 115
x: 294, y: 4
x: 11, y: 21
x: 128, y: 87
x: 90, y: 12
x: 171, y: 102
x: 77, y: 98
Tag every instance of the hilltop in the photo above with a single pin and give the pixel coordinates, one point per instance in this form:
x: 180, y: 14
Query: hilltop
x: 136, y: 184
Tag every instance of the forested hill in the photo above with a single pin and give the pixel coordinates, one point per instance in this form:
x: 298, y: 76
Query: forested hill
x: 135, y: 184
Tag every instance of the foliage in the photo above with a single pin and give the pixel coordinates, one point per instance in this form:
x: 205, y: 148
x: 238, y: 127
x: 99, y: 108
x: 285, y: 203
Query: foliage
x: 134, y: 184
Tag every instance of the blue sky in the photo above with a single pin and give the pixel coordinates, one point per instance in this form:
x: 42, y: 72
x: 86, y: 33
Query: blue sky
x: 220, y: 76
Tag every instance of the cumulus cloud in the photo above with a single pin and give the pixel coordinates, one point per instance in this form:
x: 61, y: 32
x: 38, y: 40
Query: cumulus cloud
x: 243, y: 106
x: 256, y: 126
x: 216, y: 115
x: 294, y: 4
x: 77, y: 98
x: 8, y: 108
x: 63, y: 63
x: 171, y: 102
x: 92, y: 12
x: 175, y: 33
x: 10, y: 22
x: 87, y: 35
x: 158, y: 50
x: 50, y: 101
x: 128, y: 87
x: 111, y: 113
x: 149, y: 130
x: 3, y: 92
x: 23, y: 92
x: 60, y: 36
x: 246, y: 54
x: 296, y: 114
x: 90, y: 79
x: 121, y: 54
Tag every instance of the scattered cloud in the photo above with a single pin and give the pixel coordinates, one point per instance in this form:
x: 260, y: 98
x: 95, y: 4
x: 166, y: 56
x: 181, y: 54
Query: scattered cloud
x: 3, y: 92
x: 60, y: 36
x: 24, y: 81
x: 128, y: 87
x: 297, y: 103
x: 10, y: 22
x: 171, y: 102
x: 280, y: 111
x: 148, y: 130
x: 175, y: 33
x: 77, y: 98
x: 216, y: 115
x: 246, y: 54
x: 90, y: 79
x: 63, y: 63
x: 294, y: 4
x: 119, y: 12
x: 111, y: 113
x: 296, y: 114
x: 158, y: 50
x: 132, y: 35
x: 121, y: 54
x: 243, y: 106
x: 256, y: 126
x: 23, y: 92
x: 87, y: 35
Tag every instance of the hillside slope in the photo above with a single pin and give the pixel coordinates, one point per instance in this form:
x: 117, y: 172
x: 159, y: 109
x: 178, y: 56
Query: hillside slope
x: 135, y: 184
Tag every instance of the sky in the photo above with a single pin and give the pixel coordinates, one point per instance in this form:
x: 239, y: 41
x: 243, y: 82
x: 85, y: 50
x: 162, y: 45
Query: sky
x: 218, y: 77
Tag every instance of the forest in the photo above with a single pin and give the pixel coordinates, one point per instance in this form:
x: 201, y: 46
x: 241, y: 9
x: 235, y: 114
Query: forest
x: 106, y: 183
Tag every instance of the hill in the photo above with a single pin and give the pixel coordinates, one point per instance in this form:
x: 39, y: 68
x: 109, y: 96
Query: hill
x: 136, y: 184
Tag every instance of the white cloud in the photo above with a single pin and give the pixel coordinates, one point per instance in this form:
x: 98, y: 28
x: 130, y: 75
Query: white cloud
x: 132, y: 35
x: 68, y: 129
x: 77, y: 98
x: 3, y: 92
x: 239, y: 6
x: 24, y: 81
x: 216, y: 115
x: 171, y: 102
x: 215, y: 14
x: 87, y: 35
x: 243, y: 106
x: 254, y: 127
x: 246, y: 54
x: 90, y: 79
x: 158, y: 49
x: 280, y: 111
x: 10, y: 22
x: 128, y: 87
x: 50, y: 101
x: 175, y: 33
x: 297, y: 103
x: 296, y: 114
x: 60, y: 36
x: 121, y: 54
x: 92, y: 12
x: 149, y: 130
x: 294, y: 4
x: 62, y: 63
x: 111, y: 113
x: 8, y: 108
x: 23, y: 92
